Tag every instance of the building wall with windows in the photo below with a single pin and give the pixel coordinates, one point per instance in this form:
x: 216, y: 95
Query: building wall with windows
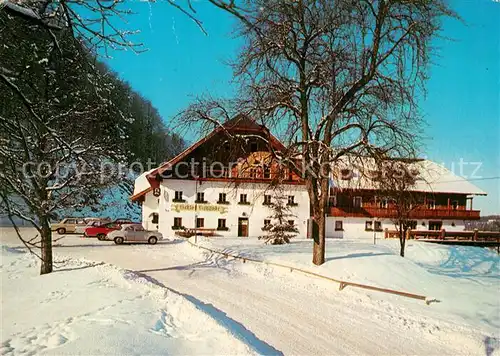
x: 199, y: 206
x: 364, y: 228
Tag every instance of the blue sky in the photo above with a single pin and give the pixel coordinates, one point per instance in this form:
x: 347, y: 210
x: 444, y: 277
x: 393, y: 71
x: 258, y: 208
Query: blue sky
x: 462, y: 107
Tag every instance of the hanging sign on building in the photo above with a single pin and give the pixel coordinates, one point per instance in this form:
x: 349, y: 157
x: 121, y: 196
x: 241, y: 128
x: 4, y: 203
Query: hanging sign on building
x: 178, y: 207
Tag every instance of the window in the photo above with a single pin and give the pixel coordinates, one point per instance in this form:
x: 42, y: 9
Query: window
x: 222, y: 198
x: 200, y: 222
x: 178, y: 196
x: 267, y: 222
x: 155, y: 218
x: 221, y: 224
x: 200, y: 197
x: 454, y: 204
x: 431, y: 204
x: 177, y: 222
x: 291, y: 222
x: 267, y: 199
x: 267, y: 172
x: 243, y: 199
x: 368, y: 226
x: 70, y: 221
x: 332, y: 200
x: 253, y: 146
x: 378, y: 225
x: 345, y: 174
x: 413, y: 224
x: 435, y: 225
x: 382, y: 204
x: 291, y: 200
x: 138, y: 228
x: 357, y: 202
x: 339, y: 225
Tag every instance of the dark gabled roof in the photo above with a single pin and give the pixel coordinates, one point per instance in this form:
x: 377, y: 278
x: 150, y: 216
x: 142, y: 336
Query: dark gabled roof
x: 240, y: 122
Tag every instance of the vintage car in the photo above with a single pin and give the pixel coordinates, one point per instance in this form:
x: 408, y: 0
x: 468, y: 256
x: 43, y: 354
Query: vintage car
x: 68, y: 225
x: 100, y: 230
x: 133, y: 233
x: 91, y: 222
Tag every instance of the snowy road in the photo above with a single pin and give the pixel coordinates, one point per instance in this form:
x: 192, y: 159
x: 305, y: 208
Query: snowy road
x: 273, y: 316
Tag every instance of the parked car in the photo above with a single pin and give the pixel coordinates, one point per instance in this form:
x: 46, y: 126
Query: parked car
x: 92, y: 222
x: 68, y: 225
x: 124, y: 221
x: 134, y: 233
x: 100, y: 230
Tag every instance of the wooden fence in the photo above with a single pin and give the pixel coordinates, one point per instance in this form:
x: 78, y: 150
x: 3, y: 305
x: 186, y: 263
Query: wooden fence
x: 475, y: 235
x: 342, y: 284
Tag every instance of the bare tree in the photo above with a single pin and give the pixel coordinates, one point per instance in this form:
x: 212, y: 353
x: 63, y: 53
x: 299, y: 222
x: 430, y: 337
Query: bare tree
x: 59, y: 133
x: 396, y: 183
x: 334, y: 78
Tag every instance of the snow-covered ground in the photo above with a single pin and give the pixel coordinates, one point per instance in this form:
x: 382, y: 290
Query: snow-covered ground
x: 269, y: 310
x: 465, y: 280
x: 90, y: 308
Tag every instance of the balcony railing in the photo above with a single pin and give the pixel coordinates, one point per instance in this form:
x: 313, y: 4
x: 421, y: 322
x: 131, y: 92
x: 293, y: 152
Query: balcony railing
x: 418, y: 213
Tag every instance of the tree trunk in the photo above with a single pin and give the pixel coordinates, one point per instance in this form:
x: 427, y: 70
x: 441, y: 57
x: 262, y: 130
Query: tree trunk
x: 318, y: 232
x: 46, y: 247
x: 402, y: 241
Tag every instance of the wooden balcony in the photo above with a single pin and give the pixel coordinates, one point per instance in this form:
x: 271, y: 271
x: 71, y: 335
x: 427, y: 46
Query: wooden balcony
x: 418, y: 213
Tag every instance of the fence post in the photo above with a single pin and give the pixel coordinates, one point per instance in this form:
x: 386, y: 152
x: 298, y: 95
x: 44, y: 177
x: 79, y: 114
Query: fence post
x: 386, y: 233
x: 443, y: 234
x: 474, y: 236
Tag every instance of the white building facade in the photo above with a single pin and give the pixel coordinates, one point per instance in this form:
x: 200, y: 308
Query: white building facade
x: 226, y: 208
x: 239, y: 203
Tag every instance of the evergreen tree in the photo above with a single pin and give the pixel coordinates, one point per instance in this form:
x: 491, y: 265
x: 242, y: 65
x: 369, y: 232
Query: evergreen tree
x: 280, y: 229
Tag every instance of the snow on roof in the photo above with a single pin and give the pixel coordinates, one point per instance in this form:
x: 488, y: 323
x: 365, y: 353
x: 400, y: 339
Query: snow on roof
x: 432, y: 177
x: 141, y: 183
x: 437, y: 178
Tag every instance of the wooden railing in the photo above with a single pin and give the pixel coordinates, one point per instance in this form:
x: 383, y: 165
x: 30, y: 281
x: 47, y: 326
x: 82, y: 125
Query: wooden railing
x: 447, y: 235
x: 419, y: 213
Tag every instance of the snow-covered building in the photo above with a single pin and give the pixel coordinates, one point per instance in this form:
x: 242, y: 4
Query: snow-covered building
x: 222, y: 184
x: 225, y: 182
x: 357, y: 207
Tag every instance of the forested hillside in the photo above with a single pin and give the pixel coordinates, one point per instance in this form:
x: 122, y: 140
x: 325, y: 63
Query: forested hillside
x: 67, y: 121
